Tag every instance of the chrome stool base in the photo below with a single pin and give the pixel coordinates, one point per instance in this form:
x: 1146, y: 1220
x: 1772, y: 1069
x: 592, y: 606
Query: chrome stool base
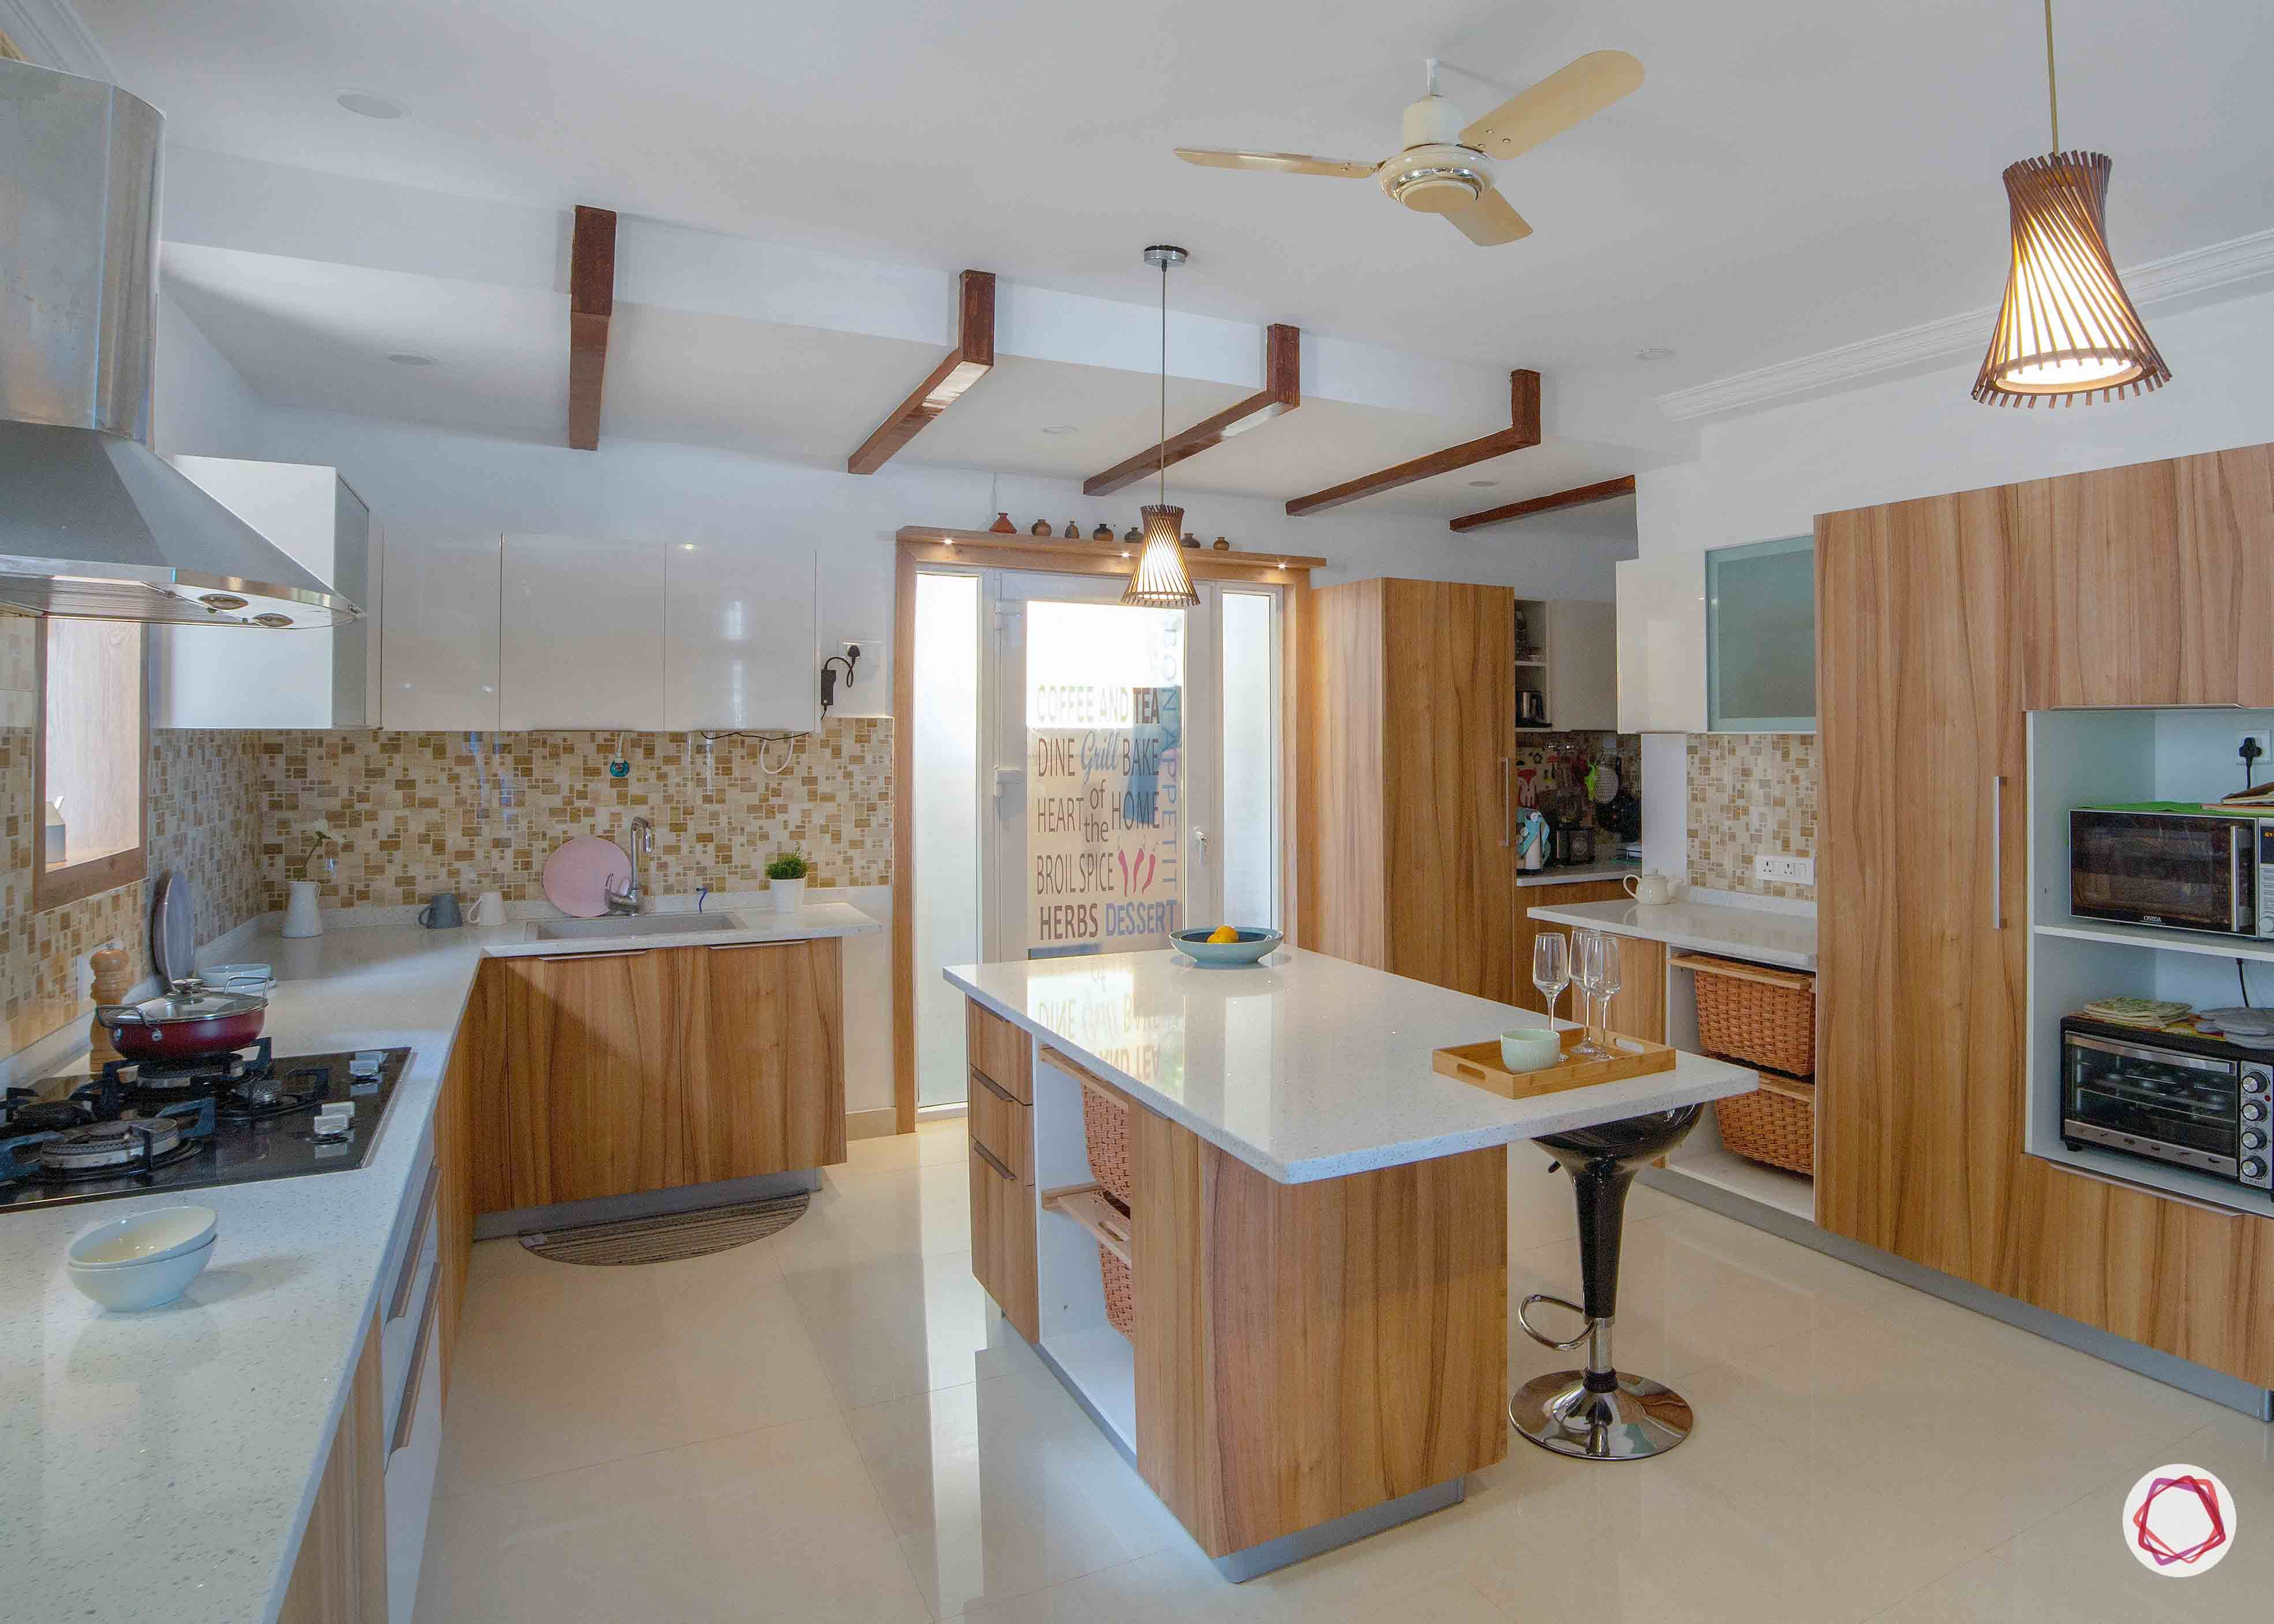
x: 1640, y: 1419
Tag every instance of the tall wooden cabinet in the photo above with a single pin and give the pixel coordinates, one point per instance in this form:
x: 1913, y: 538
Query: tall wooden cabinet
x: 1940, y: 622
x: 1408, y: 854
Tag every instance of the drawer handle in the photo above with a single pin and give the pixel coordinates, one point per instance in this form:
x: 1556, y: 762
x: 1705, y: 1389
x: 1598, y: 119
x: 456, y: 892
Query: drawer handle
x: 987, y: 1156
x: 994, y: 1087
x: 401, y: 1303
x: 600, y: 952
x: 408, y: 1410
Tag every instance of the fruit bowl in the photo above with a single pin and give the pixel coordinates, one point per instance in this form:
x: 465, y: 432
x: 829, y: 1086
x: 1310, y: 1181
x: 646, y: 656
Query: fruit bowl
x: 1252, y: 944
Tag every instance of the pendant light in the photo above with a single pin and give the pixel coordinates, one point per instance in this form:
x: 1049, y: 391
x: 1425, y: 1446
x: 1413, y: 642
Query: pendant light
x: 1161, y: 580
x: 2066, y: 328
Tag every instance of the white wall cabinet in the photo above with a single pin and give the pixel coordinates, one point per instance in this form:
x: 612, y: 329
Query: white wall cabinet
x: 237, y: 677
x: 440, y: 634
x: 738, y: 641
x: 1583, y: 666
x: 1661, y: 643
x: 581, y: 634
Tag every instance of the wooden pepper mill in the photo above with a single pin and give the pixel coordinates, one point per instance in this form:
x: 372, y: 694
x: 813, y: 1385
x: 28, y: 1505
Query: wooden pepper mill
x: 112, y: 980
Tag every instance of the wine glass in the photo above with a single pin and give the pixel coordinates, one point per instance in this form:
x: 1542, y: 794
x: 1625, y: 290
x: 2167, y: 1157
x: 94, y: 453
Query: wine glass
x: 1551, y: 968
x: 1607, y: 982
x: 1587, y: 971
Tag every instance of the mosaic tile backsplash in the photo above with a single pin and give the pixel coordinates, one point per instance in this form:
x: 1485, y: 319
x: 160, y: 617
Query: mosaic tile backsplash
x: 414, y: 813
x: 1751, y: 793
x: 204, y: 818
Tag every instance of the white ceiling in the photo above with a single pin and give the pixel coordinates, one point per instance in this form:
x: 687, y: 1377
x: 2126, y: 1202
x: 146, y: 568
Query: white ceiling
x: 1790, y: 176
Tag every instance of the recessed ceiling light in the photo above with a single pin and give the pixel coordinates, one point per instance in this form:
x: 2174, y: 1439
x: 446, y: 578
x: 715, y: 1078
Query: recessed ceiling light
x: 407, y: 359
x: 1059, y: 428
x: 1482, y: 485
x: 369, y: 105
x: 1656, y: 352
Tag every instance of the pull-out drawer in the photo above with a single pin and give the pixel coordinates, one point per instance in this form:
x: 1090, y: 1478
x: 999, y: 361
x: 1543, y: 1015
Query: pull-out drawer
x: 1001, y: 1125
x: 1000, y: 1050
x: 1002, y: 1241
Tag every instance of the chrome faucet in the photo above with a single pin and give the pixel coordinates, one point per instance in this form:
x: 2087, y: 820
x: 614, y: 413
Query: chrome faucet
x: 642, y: 844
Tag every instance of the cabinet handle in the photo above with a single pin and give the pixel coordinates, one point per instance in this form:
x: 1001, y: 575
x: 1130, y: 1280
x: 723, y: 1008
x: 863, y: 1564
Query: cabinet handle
x: 401, y: 1304
x: 987, y: 1156
x: 1507, y: 806
x: 993, y: 1087
x: 1998, y: 853
x: 604, y: 952
x: 407, y: 1410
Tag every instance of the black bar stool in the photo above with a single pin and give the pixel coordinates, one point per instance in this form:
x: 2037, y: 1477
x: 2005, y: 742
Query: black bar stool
x: 1597, y: 1414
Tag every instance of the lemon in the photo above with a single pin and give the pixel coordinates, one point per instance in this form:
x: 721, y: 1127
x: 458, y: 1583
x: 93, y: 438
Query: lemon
x: 1224, y: 932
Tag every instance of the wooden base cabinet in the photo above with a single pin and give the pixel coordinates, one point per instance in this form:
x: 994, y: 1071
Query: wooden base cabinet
x: 1003, y: 1245
x: 1934, y: 634
x: 614, y: 1073
x: 1306, y: 1351
x: 340, y: 1575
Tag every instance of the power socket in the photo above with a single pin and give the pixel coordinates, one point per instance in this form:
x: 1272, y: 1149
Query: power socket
x: 2251, y: 752
x: 1788, y: 870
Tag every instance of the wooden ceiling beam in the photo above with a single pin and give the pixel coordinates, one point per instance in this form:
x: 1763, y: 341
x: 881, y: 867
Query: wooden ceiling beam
x: 1578, y: 496
x: 591, y: 301
x: 1522, y: 432
x: 1282, y: 392
x: 972, y: 359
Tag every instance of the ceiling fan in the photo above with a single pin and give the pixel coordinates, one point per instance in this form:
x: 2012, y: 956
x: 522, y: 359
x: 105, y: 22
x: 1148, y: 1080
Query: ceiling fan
x: 1446, y: 169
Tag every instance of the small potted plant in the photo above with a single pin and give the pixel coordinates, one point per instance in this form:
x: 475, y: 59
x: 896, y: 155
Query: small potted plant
x: 786, y: 879
x: 302, y: 915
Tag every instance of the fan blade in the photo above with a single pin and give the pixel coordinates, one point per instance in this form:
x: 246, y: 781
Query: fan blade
x: 1576, y: 91
x: 1283, y: 164
x: 1489, y: 220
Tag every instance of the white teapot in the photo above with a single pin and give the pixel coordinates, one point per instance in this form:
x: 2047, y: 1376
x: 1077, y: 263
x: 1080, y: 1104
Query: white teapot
x: 1647, y: 887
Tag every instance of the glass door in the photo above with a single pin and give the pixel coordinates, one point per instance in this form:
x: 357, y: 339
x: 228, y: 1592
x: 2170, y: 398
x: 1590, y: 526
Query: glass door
x: 1095, y: 848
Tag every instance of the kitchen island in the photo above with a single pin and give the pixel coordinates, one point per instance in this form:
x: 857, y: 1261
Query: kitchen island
x: 1316, y: 1244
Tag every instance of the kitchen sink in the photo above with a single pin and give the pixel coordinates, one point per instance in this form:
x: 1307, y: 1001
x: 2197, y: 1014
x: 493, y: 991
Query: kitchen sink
x: 621, y: 925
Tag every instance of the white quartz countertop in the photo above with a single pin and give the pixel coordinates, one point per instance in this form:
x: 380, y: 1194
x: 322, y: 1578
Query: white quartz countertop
x: 160, y: 1466
x: 1305, y: 1067
x: 1581, y: 874
x: 1754, y: 934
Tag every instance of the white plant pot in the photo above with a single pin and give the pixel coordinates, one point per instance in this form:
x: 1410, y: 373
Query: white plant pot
x: 302, y: 917
x: 789, y: 895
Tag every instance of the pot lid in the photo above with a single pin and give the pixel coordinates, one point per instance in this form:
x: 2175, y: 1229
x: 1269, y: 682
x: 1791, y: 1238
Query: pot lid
x: 189, y: 1000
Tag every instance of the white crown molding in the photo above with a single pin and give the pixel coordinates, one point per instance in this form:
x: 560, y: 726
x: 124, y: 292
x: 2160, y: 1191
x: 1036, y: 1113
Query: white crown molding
x: 50, y: 33
x: 2196, y: 272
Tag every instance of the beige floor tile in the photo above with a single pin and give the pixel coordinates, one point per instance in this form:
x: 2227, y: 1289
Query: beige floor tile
x: 891, y: 1327
x: 908, y: 1212
x: 559, y: 1369
x: 778, y: 1524
x: 937, y: 1141
x: 1002, y: 1487
x: 736, y: 1349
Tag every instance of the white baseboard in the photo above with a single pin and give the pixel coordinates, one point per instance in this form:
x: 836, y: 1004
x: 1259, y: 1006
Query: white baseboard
x: 875, y: 1124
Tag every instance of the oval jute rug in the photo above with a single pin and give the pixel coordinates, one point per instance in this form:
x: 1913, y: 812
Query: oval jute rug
x: 669, y: 1236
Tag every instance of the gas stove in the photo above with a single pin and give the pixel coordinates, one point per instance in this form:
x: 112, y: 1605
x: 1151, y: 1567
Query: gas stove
x: 221, y: 1119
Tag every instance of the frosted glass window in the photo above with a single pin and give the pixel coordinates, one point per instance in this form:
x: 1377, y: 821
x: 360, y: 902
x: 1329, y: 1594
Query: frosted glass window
x: 87, y: 793
x: 945, y: 812
x: 1760, y: 637
x: 1251, y: 760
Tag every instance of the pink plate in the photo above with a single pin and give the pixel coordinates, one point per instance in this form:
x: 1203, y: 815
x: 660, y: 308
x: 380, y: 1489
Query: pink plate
x: 578, y: 876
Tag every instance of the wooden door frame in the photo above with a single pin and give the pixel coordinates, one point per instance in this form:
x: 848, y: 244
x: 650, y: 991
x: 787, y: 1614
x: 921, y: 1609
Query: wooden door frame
x: 920, y: 545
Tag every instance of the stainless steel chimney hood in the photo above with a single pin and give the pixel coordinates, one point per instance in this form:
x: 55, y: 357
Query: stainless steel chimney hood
x: 94, y: 523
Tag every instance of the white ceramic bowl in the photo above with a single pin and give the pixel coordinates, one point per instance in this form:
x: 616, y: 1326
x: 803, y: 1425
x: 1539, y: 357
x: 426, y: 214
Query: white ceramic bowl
x: 143, y: 1238
x: 125, y: 1288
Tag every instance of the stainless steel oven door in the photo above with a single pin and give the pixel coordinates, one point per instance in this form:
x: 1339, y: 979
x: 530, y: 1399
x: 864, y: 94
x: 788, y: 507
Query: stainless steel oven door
x: 2163, y: 868
x: 2160, y: 1102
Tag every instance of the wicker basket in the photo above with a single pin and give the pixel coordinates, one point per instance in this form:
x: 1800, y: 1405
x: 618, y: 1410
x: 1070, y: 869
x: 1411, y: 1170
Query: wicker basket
x: 1120, y: 1296
x: 1775, y: 1124
x: 1754, y: 1014
x: 1105, y: 1124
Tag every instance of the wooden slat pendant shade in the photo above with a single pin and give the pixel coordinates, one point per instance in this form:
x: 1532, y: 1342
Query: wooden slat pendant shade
x: 2067, y: 329
x: 1161, y: 580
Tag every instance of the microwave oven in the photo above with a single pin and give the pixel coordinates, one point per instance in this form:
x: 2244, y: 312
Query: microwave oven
x: 2163, y: 865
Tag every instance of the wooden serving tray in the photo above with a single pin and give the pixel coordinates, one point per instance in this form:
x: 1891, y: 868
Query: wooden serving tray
x: 1479, y: 1064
